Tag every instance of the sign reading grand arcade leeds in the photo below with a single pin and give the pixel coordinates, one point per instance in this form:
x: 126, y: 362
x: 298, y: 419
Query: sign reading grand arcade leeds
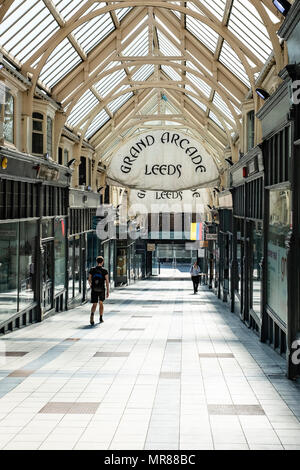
x: 163, y: 160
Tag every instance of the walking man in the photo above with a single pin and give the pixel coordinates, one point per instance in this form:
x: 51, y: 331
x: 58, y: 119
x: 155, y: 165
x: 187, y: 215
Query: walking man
x: 195, y: 273
x: 98, y: 279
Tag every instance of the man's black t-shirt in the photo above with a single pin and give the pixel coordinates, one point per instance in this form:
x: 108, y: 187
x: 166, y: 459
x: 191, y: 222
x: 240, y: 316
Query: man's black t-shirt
x: 98, y: 278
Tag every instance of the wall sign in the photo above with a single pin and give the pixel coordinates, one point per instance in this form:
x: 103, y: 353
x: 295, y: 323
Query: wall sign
x: 189, y: 201
x: 163, y: 160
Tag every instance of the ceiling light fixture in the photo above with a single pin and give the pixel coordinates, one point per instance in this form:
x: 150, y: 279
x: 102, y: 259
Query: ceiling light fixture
x: 283, y: 6
x: 71, y: 162
x: 262, y: 93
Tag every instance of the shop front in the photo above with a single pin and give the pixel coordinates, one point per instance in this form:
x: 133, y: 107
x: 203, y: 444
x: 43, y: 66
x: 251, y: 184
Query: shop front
x: 83, y: 244
x: 245, y: 244
x: 280, y: 117
x: 33, y: 220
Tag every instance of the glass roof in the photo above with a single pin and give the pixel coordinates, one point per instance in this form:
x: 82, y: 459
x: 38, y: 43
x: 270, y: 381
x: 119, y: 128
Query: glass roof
x: 29, y: 29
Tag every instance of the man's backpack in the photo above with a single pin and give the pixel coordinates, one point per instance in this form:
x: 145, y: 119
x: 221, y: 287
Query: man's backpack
x: 97, y: 281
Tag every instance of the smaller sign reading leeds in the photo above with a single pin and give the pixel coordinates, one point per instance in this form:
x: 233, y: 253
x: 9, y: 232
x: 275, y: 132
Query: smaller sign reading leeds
x: 163, y: 160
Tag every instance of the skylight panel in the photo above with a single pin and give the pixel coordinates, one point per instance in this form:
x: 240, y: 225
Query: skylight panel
x: 215, y: 119
x: 109, y: 82
x: 143, y: 72
x: 201, y: 31
x: 200, y: 84
x: 94, y: 31
x: 122, y: 12
x: 86, y: 103
x: 139, y: 45
x: 118, y: 102
x: 166, y: 46
x: 26, y: 26
x: 230, y: 93
x: 177, y: 13
x: 61, y: 61
x: 190, y: 64
x: 220, y: 103
x: 195, y: 100
x: 97, y: 123
x: 67, y: 8
x: 247, y: 25
x: 167, y: 30
x: 217, y: 7
x: 171, y: 72
x: 229, y: 58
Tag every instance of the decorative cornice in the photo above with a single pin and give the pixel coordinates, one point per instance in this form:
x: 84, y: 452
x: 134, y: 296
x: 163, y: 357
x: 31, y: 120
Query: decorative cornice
x: 246, y: 158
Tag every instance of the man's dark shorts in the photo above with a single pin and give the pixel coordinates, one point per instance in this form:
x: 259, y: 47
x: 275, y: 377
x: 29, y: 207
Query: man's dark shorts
x: 96, y: 296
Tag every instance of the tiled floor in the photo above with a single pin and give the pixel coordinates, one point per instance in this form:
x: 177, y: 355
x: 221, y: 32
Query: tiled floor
x: 186, y: 374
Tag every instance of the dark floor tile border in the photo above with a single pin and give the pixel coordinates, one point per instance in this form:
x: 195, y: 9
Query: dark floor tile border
x: 216, y: 355
x: 170, y: 375
x: 111, y: 354
x: 131, y: 329
x: 21, y: 373
x: 246, y: 410
x: 141, y: 316
x: 13, y: 353
x: 70, y: 408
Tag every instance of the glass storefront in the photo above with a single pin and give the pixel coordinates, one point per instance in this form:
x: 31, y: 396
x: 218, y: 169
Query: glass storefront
x: 71, y: 270
x: 27, y: 254
x: 59, y: 254
x: 279, y: 226
x: 17, y: 267
x: 121, y: 264
x: 256, y: 277
x: 77, y: 285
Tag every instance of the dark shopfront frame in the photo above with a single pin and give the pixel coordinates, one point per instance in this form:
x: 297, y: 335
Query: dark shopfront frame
x: 280, y: 118
x: 247, y: 222
x: 30, y: 195
x: 82, y: 249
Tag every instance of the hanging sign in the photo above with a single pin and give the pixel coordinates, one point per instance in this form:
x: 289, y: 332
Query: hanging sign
x: 189, y: 201
x: 163, y: 160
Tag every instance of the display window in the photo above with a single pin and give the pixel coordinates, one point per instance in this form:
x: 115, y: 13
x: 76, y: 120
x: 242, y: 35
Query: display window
x: 279, y: 226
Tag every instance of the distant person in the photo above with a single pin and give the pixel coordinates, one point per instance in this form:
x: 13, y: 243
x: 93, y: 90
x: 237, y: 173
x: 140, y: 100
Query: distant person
x: 195, y: 273
x: 98, y: 278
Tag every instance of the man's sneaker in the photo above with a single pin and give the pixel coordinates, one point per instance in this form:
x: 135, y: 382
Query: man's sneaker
x: 101, y: 319
x: 92, y: 319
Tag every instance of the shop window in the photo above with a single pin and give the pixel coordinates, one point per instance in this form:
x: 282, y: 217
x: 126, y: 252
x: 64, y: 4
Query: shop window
x: 250, y: 130
x: 257, y: 254
x: 9, y: 252
x: 59, y: 254
x: 37, y: 134
x: 82, y: 171
x: 66, y: 157
x: 17, y: 261
x: 279, y: 226
x: 27, y: 267
x: 60, y: 155
x: 90, y: 172
x: 71, y: 269
x: 49, y: 136
x: 7, y: 117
